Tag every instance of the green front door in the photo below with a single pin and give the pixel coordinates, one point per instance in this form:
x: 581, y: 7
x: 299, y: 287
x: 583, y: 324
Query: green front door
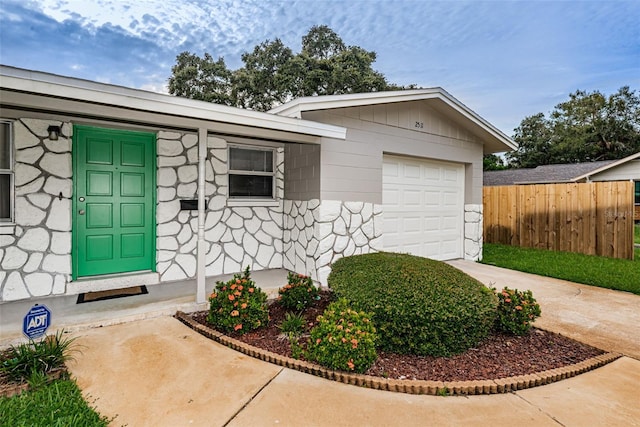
x: 113, y: 205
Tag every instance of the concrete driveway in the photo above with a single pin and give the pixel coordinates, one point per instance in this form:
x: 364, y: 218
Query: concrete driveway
x: 603, y: 318
x: 158, y: 372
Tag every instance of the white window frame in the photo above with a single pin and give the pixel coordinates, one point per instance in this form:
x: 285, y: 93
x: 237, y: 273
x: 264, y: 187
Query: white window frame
x: 247, y: 200
x: 7, y: 224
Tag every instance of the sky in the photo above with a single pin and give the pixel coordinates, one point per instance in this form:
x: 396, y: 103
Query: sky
x: 505, y: 60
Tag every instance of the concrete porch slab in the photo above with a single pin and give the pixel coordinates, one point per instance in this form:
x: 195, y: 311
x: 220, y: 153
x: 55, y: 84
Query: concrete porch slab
x: 163, y: 299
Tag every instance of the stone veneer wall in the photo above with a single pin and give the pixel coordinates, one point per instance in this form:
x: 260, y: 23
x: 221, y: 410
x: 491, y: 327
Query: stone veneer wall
x: 235, y: 236
x: 473, y: 229
x: 36, y: 260
x: 316, y: 234
x: 302, y: 236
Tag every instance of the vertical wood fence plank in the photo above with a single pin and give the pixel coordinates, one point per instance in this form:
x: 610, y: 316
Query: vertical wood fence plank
x: 594, y: 218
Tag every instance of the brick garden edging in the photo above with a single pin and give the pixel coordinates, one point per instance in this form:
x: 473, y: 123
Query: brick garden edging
x: 11, y: 389
x: 501, y: 385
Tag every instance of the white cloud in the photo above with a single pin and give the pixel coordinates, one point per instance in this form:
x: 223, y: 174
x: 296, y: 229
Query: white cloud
x: 503, y: 59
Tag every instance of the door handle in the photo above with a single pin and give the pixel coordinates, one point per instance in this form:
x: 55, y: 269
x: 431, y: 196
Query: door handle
x: 81, y: 212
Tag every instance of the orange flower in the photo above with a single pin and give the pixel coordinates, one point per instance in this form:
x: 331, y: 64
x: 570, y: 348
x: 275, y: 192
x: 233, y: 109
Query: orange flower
x: 508, y: 300
x: 250, y: 290
x: 344, y: 340
x: 518, y: 307
x: 214, y: 295
x: 235, y: 313
x: 233, y: 286
x: 238, y: 281
x: 237, y: 293
x: 231, y: 297
x: 240, y: 287
x: 350, y: 364
x: 235, y: 304
x: 237, y: 327
x: 318, y: 341
x: 244, y: 305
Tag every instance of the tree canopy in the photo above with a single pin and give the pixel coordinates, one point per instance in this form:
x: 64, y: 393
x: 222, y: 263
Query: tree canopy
x: 273, y: 74
x: 588, y: 127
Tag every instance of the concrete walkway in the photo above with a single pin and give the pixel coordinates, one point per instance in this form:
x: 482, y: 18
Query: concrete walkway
x: 147, y: 369
x: 158, y: 372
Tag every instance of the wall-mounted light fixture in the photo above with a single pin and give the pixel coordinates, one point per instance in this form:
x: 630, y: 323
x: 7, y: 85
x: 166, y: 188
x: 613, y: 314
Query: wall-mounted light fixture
x: 54, y: 132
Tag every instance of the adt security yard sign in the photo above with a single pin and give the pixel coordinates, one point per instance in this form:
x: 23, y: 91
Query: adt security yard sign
x: 36, y: 322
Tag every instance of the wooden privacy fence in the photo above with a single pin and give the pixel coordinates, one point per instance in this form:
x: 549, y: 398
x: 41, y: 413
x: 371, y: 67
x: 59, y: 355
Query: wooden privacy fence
x: 594, y: 218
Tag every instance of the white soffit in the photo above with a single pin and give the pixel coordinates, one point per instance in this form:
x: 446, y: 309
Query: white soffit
x: 51, y: 85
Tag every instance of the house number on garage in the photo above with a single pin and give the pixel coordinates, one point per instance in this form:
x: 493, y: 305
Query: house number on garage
x: 420, y: 125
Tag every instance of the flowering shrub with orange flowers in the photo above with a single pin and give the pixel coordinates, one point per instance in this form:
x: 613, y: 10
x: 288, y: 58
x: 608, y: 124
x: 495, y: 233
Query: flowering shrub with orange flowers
x: 298, y: 293
x: 516, y: 311
x: 238, y: 305
x: 343, y: 339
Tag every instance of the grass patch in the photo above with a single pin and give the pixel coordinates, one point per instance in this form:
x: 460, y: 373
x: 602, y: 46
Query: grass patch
x: 59, y: 403
x: 611, y: 273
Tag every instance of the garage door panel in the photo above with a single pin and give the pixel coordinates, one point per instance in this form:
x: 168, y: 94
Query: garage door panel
x: 412, y: 198
x: 423, y: 207
x: 451, y: 175
x: 392, y: 195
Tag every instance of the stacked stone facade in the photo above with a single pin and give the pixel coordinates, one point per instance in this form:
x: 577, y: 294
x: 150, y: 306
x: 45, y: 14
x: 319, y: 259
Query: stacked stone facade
x: 304, y: 236
x: 473, y: 229
x: 36, y: 259
x: 236, y: 236
x: 316, y: 234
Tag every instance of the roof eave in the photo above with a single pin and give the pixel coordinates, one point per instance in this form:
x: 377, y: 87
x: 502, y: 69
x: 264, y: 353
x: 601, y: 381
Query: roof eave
x: 52, y: 85
x: 587, y: 175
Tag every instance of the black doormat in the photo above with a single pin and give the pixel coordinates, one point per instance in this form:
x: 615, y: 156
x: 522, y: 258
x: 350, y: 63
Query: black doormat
x: 111, y: 294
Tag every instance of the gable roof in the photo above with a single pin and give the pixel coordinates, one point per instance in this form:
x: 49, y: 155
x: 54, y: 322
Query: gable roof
x: 568, y: 172
x: 493, y: 139
x: 609, y: 166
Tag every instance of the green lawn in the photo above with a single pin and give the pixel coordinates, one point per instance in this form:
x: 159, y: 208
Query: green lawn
x: 59, y: 403
x: 619, y: 274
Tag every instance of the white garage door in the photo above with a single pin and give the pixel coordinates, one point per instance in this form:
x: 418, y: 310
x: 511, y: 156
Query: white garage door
x: 423, y: 203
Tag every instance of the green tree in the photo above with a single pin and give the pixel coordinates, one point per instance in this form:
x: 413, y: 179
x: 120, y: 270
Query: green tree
x: 201, y: 78
x: 534, y: 143
x: 587, y: 127
x: 272, y: 74
x: 493, y: 162
x: 263, y: 81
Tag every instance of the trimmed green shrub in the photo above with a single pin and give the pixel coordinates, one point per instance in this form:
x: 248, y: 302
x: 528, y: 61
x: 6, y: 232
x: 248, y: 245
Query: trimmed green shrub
x: 343, y: 339
x: 420, y: 306
x: 298, y: 293
x: 238, y: 305
x: 516, y: 311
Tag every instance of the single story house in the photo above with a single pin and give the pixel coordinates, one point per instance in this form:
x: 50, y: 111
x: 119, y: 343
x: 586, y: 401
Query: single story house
x: 626, y: 169
x: 103, y: 186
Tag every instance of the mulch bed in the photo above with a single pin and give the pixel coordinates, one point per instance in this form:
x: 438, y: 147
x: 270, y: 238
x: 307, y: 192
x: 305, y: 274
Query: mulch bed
x: 499, y: 356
